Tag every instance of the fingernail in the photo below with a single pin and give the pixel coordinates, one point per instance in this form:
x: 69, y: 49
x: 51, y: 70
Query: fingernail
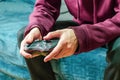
x: 46, y: 60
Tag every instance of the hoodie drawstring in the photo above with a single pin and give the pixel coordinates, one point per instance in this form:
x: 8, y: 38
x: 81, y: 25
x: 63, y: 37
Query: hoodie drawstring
x: 94, y: 12
x: 78, y: 12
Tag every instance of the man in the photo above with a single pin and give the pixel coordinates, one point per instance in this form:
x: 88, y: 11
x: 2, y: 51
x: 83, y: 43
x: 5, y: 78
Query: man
x: 99, y: 23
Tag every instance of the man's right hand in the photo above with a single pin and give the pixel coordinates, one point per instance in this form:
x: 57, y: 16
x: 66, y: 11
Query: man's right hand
x: 29, y: 38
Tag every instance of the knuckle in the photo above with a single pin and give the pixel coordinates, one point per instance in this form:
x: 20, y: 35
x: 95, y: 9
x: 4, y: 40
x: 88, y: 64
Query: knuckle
x: 69, y: 46
x: 63, y: 43
x: 50, y: 33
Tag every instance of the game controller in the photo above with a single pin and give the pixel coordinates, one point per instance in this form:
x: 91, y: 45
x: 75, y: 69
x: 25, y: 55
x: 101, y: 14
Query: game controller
x: 41, y: 47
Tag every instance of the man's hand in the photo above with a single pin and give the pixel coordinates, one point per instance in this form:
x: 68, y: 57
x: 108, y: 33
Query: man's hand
x: 66, y: 46
x: 30, y: 37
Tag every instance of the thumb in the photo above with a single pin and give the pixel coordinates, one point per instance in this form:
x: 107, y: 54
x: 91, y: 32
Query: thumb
x: 29, y: 39
x: 54, y: 34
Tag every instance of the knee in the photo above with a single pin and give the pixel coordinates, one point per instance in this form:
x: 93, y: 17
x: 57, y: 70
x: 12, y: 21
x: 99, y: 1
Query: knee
x: 20, y: 34
x: 113, y: 53
x: 116, y: 57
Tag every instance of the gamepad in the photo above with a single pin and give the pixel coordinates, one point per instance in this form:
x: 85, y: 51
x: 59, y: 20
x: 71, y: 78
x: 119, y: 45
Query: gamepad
x: 41, y: 47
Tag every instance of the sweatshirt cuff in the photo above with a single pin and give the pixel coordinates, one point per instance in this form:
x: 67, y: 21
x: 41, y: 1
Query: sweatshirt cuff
x: 81, y: 37
x: 31, y: 26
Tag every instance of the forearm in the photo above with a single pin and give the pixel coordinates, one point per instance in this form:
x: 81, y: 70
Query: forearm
x: 44, y: 15
x: 92, y: 36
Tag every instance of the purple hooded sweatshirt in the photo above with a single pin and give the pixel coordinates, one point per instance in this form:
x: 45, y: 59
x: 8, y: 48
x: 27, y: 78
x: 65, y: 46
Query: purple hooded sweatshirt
x: 99, y: 20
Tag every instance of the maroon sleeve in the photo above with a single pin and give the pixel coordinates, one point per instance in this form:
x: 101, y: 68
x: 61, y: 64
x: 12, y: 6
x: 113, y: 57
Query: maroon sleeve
x: 44, y: 15
x: 93, y: 36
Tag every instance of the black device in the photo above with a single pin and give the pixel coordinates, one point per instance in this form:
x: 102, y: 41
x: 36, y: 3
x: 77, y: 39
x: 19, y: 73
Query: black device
x: 41, y: 47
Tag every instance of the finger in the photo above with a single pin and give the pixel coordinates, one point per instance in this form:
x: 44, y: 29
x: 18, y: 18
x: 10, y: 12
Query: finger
x: 23, y: 53
x: 51, y: 55
x: 54, y: 34
x: 29, y: 38
x: 60, y: 55
x: 64, y: 53
x: 54, y: 52
x: 22, y: 49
